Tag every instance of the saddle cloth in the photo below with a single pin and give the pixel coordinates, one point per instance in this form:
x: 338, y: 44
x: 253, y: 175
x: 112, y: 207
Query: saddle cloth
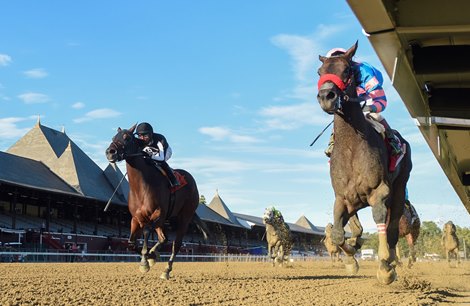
x: 182, y: 179
x: 394, y: 160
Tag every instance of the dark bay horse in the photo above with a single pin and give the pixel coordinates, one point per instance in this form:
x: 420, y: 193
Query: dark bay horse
x: 150, y: 200
x: 359, y: 166
x: 408, y: 228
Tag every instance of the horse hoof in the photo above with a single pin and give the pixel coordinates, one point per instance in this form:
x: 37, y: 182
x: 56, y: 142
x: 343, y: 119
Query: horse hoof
x: 386, y: 277
x: 144, y: 268
x: 352, y: 267
x: 151, y: 262
x: 165, y: 276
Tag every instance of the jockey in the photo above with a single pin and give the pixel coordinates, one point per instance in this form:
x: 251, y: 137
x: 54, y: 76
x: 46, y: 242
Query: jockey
x: 157, y: 148
x: 369, y: 88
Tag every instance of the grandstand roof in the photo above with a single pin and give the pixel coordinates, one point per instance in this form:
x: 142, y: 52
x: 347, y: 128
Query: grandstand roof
x: 218, y: 205
x: 63, y: 157
x: 30, y: 173
x: 304, y: 222
x: 207, y: 214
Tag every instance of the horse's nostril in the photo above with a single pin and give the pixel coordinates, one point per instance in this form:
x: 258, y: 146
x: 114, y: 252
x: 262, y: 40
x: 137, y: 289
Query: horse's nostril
x: 331, y: 95
x: 112, y: 151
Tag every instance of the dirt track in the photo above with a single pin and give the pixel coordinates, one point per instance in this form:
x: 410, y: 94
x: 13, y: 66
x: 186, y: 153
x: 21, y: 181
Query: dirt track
x: 305, y: 283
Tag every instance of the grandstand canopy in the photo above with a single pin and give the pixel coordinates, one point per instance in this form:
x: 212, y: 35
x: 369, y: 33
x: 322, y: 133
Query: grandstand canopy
x: 425, y: 49
x: 65, y: 160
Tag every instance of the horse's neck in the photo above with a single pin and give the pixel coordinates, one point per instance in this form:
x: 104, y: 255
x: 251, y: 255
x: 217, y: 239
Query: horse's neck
x: 350, y: 124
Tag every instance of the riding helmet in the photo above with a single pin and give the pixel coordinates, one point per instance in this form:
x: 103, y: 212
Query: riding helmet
x: 335, y: 52
x: 144, y: 128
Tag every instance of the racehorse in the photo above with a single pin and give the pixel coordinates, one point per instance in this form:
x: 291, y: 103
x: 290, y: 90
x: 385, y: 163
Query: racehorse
x: 408, y: 227
x: 151, y: 202
x: 359, y: 166
x: 333, y: 250
x: 278, y: 236
x: 450, y: 242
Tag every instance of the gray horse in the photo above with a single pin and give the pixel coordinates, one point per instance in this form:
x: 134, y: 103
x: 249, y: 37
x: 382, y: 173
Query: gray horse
x: 359, y: 165
x: 450, y: 242
x: 333, y: 250
x: 278, y: 236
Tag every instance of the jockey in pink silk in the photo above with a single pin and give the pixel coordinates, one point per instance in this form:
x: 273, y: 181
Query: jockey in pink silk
x: 369, y: 87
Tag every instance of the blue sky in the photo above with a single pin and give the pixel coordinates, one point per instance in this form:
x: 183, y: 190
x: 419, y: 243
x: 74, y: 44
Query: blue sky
x: 231, y: 84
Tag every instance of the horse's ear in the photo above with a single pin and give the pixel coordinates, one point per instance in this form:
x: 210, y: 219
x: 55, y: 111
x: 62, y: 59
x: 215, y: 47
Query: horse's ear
x: 119, y: 129
x: 350, y: 53
x: 322, y: 58
x: 132, y: 128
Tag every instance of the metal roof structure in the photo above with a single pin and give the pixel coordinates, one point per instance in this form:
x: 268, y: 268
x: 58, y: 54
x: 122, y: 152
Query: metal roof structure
x: 30, y: 173
x: 424, y: 47
x: 66, y: 160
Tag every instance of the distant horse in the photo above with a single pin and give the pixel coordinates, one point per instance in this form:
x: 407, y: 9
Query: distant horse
x: 151, y: 202
x: 333, y: 250
x: 359, y: 165
x: 450, y: 242
x: 278, y: 236
x: 409, y: 226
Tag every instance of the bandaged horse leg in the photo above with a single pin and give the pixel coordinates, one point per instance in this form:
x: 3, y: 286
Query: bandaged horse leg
x: 386, y: 273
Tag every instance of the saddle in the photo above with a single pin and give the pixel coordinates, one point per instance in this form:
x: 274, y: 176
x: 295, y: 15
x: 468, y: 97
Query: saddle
x: 181, y: 178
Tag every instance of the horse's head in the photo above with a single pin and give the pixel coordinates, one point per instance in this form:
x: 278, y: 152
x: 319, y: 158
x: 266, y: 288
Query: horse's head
x: 268, y: 215
x: 328, y: 229
x: 449, y: 228
x: 123, y: 145
x: 336, y: 80
x: 272, y: 216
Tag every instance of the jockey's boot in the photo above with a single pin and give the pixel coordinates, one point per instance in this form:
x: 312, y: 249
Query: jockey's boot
x: 169, y: 172
x: 331, y: 144
x: 392, y: 138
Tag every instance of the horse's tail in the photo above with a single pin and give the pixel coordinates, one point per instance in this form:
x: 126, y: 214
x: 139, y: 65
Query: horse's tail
x: 202, y: 226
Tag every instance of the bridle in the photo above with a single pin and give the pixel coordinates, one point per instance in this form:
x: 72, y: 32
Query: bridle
x: 343, y: 86
x: 121, y: 149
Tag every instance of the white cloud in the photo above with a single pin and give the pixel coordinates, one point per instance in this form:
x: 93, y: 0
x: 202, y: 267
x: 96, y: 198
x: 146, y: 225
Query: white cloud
x: 78, y: 105
x: 5, y: 60
x: 33, y: 98
x: 294, y: 116
x: 98, y: 114
x: 218, y: 133
x: 37, y: 73
x: 9, y: 128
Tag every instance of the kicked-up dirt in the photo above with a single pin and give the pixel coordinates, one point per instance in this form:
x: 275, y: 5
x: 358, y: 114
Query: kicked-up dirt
x: 230, y: 283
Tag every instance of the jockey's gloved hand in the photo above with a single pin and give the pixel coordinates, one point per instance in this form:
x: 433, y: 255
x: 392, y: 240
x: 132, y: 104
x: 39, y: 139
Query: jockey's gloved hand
x: 369, y: 109
x: 150, y: 150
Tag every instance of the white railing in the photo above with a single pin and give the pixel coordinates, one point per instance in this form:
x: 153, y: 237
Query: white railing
x: 21, y: 256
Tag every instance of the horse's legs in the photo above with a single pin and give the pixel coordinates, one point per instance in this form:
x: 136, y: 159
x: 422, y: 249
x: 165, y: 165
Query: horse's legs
x: 183, y: 223
x: 341, y: 217
x: 356, y: 232
x: 144, y: 264
x: 337, y: 232
x: 411, y: 245
x: 135, y: 230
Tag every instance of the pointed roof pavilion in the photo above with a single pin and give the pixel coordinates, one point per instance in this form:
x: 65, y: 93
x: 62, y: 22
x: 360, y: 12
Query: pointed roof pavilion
x: 305, y: 223
x: 218, y: 205
x: 58, y: 152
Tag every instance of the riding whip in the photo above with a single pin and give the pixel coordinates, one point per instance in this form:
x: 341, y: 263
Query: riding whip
x: 109, y: 201
x: 315, y: 140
